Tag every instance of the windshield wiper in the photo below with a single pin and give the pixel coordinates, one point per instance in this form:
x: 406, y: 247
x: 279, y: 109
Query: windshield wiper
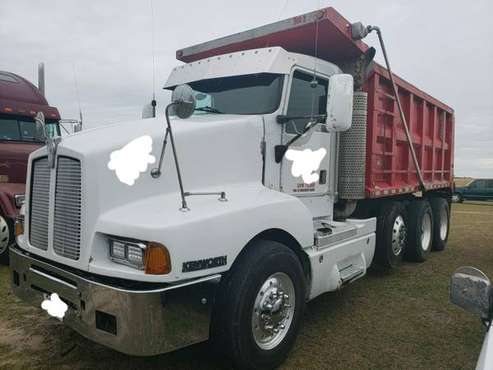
x: 209, y: 109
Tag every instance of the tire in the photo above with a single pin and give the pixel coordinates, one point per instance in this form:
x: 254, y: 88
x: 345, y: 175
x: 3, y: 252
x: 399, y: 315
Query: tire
x: 457, y: 198
x: 6, y: 238
x: 420, y: 230
x: 391, y: 235
x: 234, y: 317
x: 441, y: 228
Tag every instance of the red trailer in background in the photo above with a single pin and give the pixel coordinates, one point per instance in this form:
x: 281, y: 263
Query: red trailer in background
x: 20, y: 101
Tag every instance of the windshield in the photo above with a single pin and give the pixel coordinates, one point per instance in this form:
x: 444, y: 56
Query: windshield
x: 24, y: 129
x: 247, y: 94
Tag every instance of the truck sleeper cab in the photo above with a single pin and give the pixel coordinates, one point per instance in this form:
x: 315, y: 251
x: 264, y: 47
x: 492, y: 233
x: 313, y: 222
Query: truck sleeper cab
x: 261, y: 227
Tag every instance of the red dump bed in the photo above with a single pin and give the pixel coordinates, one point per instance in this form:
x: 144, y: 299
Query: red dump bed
x: 389, y: 166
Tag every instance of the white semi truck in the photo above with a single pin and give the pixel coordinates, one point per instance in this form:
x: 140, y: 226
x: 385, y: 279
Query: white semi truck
x: 253, y: 195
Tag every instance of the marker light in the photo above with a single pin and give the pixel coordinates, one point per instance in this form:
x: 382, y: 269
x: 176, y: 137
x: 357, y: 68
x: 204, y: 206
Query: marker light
x: 19, y: 226
x: 157, y: 260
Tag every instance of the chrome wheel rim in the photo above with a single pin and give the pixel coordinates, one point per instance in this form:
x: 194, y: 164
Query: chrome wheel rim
x: 399, y: 235
x: 273, y: 311
x: 455, y: 198
x: 443, y: 224
x: 426, y: 232
x: 4, y: 235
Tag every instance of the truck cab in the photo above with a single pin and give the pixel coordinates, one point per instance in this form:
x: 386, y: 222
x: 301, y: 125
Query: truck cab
x: 19, y: 136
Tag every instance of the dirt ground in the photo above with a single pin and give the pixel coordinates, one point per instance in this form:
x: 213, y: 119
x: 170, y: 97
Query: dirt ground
x: 400, y: 320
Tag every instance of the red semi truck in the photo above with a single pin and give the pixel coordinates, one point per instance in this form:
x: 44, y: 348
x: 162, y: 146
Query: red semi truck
x: 20, y: 101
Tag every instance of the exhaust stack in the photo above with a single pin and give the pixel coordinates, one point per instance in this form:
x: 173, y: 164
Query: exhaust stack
x: 41, y: 78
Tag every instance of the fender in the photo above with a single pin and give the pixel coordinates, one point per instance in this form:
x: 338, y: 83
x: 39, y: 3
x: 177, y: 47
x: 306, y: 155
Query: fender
x: 7, y: 192
x: 210, y: 231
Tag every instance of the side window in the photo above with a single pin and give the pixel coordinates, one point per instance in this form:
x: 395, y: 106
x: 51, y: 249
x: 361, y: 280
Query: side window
x: 478, y: 185
x: 489, y: 184
x: 305, y: 99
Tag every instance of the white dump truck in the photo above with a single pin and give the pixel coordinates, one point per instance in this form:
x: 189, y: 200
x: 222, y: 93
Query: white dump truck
x: 281, y: 170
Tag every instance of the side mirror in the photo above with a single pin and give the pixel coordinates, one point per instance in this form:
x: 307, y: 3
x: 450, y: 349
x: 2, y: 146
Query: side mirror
x: 471, y: 290
x: 340, y: 102
x: 183, y: 100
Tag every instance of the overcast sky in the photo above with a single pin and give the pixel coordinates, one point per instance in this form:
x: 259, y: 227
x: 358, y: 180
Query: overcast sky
x: 443, y: 47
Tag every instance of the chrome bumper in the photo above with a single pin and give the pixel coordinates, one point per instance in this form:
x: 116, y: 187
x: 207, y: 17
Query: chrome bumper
x: 135, y: 322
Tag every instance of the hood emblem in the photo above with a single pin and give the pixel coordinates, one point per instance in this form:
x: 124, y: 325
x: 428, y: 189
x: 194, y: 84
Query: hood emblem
x: 51, y: 142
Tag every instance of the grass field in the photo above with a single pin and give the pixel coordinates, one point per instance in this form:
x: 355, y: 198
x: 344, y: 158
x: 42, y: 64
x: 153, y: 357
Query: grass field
x: 401, y: 320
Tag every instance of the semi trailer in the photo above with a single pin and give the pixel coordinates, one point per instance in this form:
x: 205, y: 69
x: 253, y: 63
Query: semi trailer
x: 287, y: 163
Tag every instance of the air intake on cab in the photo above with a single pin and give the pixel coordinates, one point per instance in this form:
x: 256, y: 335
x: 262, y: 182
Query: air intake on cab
x: 352, y: 152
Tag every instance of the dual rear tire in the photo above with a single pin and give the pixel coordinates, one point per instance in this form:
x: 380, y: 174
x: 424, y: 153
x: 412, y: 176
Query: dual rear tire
x: 410, y: 230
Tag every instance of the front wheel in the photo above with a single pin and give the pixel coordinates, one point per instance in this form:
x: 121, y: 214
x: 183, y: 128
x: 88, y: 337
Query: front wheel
x: 6, y: 238
x: 258, y: 315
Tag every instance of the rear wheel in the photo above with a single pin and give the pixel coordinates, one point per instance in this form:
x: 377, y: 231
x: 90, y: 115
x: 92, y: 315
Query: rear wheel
x: 258, y: 313
x: 441, y: 215
x: 391, y: 235
x: 6, y: 238
x: 457, y: 198
x: 420, y: 219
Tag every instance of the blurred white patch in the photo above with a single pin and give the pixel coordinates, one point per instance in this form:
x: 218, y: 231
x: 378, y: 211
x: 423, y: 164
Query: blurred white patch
x: 306, y: 163
x: 132, y: 159
x: 55, y: 306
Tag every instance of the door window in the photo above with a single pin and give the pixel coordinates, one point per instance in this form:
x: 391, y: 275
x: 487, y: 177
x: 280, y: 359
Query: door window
x: 306, y: 98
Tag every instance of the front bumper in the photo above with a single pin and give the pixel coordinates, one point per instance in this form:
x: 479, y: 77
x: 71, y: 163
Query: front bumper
x: 140, y: 322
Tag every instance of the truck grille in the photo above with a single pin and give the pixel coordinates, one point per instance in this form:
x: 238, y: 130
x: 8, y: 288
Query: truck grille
x: 40, y: 201
x: 66, y: 228
x: 67, y: 203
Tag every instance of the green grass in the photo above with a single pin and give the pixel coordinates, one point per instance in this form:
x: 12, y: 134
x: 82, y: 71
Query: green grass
x: 398, y: 320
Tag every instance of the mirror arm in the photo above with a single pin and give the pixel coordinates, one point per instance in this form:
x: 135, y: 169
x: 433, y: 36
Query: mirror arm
x: 280, y: 150
x: 155, y: 173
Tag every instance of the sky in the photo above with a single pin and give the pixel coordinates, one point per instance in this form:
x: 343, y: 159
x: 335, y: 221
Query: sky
x: 100, y: 53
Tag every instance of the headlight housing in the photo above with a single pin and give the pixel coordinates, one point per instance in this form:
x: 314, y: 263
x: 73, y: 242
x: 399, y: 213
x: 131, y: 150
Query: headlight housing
x: 151, y: 257
x: 19, y: 200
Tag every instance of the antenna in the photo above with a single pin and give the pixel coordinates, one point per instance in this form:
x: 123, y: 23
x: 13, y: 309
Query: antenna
x: 314, y: 82
x: 153, y: 102
x: 77, y: 93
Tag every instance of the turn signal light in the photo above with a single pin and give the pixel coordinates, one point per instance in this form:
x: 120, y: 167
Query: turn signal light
x: 19, y: 228
x: 157, y: 260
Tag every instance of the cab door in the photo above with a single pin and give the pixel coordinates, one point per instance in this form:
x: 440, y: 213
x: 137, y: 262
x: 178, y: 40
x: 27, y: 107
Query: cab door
x: 305, y: 165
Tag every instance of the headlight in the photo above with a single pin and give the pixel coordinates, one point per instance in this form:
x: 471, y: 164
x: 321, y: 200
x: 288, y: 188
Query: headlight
x: 127, y: 253
x: 151, y: 257
x: 19, y: 200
